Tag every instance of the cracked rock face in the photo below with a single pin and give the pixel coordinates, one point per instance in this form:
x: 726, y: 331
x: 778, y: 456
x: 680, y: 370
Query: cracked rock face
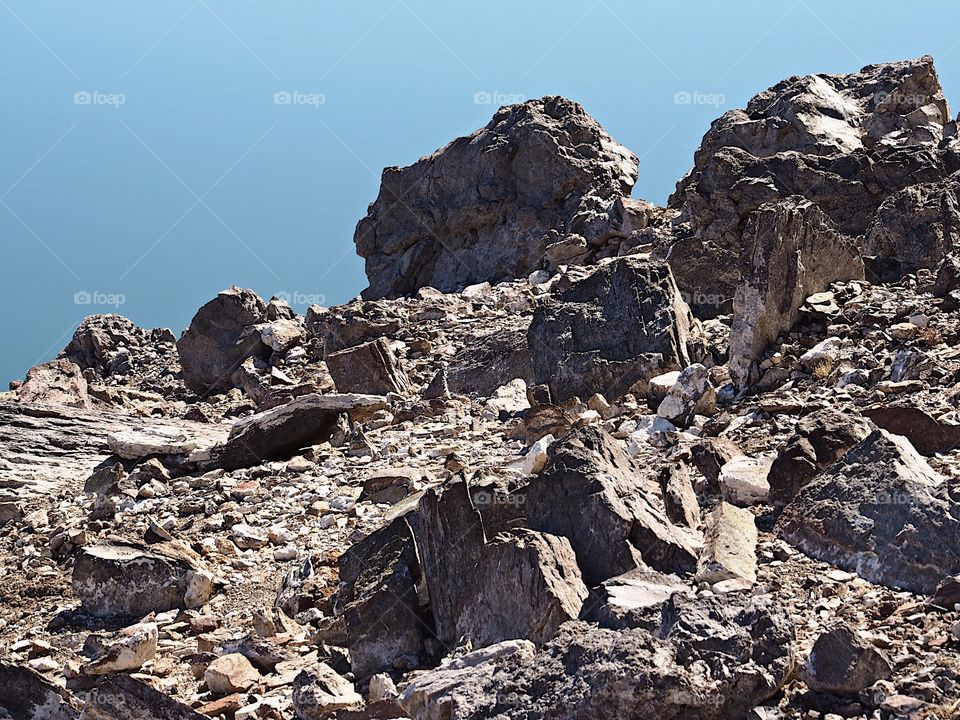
x: 481, y: 207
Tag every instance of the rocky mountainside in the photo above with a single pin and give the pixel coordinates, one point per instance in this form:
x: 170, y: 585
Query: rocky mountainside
x: 571, y: 455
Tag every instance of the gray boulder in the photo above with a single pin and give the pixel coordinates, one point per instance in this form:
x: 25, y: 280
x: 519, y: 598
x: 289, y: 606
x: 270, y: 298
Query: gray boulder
x: 619, y: 326
x: 592, y: 493
x: 220, y: 337
x: 841, y: 663
x: 481, y: 208
x: 791, y: 251
x: 927, y: 434
x: 27, y: 695
x: 879, y: 511
x: 121, y: 697
x: 370, y: 368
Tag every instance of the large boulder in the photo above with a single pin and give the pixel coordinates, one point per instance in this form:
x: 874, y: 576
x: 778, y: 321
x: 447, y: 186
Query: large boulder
x: 125, y: 579
x: 96, y: 343
x: 879, y: 511
x: 370, y: 368
x: 622, y: 324
x: 820, y: 439
x: 708, y: 659
x: 842, y: 663
x: 844, y: 142
x: 791, y: 251
x: 58, y: 382
x: 592, y: 493
x: 27, y: 695
x: 481, y: 208
x: 221, y: 336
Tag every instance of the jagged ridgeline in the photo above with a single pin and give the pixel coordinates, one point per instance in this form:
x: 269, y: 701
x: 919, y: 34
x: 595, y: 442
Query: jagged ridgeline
x: 570, y: 455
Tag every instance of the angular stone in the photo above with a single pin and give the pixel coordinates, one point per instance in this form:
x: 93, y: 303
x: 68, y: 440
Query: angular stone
x: 493, y: 359
x: 231, y: 673
x: 121, y: 697
x: 127, y: 650
x: 99, y: 337
x: 481, y: 207
x: 593, y: 494
x: 619, y: 326
x: 743, y: 480
x: 710, y: 454
x: 729, y: 546
x: 841, y: 663
x: 791, y: 251
x: 26, y: 694
x: 378, y: 600
x: 220, y: 337
x: 524, y: 587
x: 879, y: 511
x: 320, y: 691
x: 123, y: 579
x: 679, y: 497
x: 370, y: 368
x: 449, y: 536
x: 692, y: 394
x: 632, y: 600
x: 928, y: 435
x: 821, y: 438
x: 278, y: 433
x: 58, y: 382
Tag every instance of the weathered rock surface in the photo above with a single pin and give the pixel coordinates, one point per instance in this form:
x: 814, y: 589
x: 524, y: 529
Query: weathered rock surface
x: 320, y: 691
x: 121, y: 696
x: 729, y: 546
x: 790, y: 251
x: 619, y: 326
x: 525, y: 586
x: 492, y: 198
x: 129, y: 580
x: 58, y: 382
x: 924, y: 432
x: 593, y: 494
x: 220, y: 337
x: 370, y: 368
x: 230, y: 673
x: 843, y: 664
x: 27, y: 694
x: 879, y: 511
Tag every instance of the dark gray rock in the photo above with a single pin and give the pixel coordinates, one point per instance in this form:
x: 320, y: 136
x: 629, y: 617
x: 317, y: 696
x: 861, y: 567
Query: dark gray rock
x: 841, y: 663
x: 480, y: 208
x: 220, y: 337
x: 27, y: 695
x: 492, y: 360
x: 820, y: 439
x: 100, y: 337
x: 593, y: 494
x: 679, y: 497
x: 947, y: 274
x: 121, y: 697
x: 879, y: 511
x: 632, y: 600
x: 790, y: 251
x: 525, y: 586
x: 927, y: 434
x: 370, y: 368
x: 618, y: 326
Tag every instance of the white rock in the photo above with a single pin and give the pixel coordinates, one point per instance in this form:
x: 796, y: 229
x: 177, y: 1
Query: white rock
x: 743, y: 480
x: 230, y: 674
x: 135, y: 646
x: 825, y: 351
x: 510, y: 398
x: 536, y: 456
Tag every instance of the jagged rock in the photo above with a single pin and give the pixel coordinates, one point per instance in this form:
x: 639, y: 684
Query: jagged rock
x: 591, y: 493
x: 879, y: 511
x: 845, y: 142
x: 278, y: 433
x: 378, y: 600
x: 438, y: 388
x: 491, y: 199
x: 492, y: 360
x: 524, y: 587
x: 619, y: 326
x: 632, y: 600
x: 791, y: 251
x: 370, y: 368
x: 947, y: 276
x: 622, y: 675
x: 841, y: 663
x: 27, y: 695
x: 121, y: 697
x: 821, y: 438
x: 449, y: 536
x: 221, y: 336
x: 105, y: 480
x: 320, y: 691
x: 925, y: 433
x: 692, y: 394
x: 58, y: 382
x: 281, y: 334
x: 127, y: 650
x: 231, y: 673
x: 679, y: 497
x: 710, y: 454
x: 99, y: 338
x: 729, y: 546
x: 917, y: 226
x: 123, y: 579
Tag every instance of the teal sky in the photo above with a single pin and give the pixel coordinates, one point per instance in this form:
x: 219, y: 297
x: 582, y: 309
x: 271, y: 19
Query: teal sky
x: 154, y: 152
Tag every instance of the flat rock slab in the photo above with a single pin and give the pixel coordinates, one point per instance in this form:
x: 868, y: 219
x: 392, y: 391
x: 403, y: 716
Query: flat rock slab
x: 278, y: 433
x: 925, y: 433
x: 743, y: 480
x: 729, y: 546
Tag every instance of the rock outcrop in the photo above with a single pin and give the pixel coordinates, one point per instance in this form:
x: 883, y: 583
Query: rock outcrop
x: 482, y: 207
